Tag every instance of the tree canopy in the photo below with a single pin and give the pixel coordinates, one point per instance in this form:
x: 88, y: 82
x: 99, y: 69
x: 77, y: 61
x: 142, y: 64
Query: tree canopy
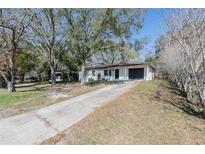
x: 45, y: 41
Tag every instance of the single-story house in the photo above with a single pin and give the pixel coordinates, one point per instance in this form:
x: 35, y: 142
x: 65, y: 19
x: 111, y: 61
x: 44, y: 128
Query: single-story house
x: 122, y: 71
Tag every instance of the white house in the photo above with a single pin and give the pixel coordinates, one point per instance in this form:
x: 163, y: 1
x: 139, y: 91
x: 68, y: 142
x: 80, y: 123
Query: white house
x: 122, y: 71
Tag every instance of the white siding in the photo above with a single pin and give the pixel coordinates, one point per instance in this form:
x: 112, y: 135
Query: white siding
x: 149, y: 73
x: 112, y: 74
x: 96, y: 74
x: 123, y: 73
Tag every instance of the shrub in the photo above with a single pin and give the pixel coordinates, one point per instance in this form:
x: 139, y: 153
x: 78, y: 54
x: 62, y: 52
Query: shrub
x: 3, y: 84
x: 91, y: 81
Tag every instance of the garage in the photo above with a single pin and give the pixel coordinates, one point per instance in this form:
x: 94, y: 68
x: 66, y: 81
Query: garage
x: 136, y: 73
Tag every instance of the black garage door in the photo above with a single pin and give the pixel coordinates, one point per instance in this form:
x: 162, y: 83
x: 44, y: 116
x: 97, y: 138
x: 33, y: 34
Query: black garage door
x: 136, y: 73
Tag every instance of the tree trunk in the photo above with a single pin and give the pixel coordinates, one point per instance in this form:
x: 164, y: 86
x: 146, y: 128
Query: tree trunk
x: 39, y: 77
x: 10, y: 86
x: 22, y: 77
x: 203, y: 101
x: 204, y: 108
x: 11, y: 83
x: 82, y: 80
x: 53, y: 75
x: 68, y: 75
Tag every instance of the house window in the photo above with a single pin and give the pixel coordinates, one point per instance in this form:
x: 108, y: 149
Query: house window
x: 93, y: 73
x: 105, y: 72
x: 109, y: 72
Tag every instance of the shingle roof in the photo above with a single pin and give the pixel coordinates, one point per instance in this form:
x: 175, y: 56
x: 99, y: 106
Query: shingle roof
x: 120, y: 64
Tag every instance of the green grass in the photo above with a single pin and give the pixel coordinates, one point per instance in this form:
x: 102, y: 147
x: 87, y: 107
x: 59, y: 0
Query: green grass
x: 19, y: 102
x: 29, y: 97
x: 8, y: 99
x: 148, y: 86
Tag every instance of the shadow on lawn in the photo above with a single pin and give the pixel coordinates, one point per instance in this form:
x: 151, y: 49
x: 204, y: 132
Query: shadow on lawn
x: 181, y: 102
x: 105, y: 82
x: 33, y: 88
x: 26, y: 85
x: 175, y: 90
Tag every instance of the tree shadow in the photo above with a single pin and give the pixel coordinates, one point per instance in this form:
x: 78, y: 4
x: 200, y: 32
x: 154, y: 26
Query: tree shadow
x: 186, y: 106
x: 181, y: 102
x: 174, y: 89
x: 106, y: 82
x: 26, y: 85
x: 33, y: 88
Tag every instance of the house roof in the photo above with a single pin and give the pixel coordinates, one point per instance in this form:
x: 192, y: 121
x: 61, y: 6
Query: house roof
x: 120, y: 64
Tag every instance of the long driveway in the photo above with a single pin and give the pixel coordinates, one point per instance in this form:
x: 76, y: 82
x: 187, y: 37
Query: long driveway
x: 35, y: 126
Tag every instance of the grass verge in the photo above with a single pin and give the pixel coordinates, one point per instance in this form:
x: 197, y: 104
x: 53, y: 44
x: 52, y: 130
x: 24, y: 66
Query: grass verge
x: 39, y: 95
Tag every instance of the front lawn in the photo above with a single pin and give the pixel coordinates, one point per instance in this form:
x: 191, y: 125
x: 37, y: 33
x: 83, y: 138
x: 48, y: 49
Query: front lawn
x: 139, y: 117
x: 34, y: 96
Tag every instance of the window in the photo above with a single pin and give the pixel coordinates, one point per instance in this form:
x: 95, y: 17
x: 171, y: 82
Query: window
x: 93, y: 73
x: 105, y: 72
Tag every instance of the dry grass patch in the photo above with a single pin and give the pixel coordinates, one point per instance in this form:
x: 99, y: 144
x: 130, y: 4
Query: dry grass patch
x: 137, y: 117
x: 36, y: 96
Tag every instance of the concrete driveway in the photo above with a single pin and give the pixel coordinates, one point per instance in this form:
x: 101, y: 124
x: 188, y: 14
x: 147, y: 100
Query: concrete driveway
x: 35, y: 126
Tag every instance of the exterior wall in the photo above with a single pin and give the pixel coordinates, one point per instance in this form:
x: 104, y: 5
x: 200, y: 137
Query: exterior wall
x: 96, y: 74
x: 123, y: 73
x: 150, y: 73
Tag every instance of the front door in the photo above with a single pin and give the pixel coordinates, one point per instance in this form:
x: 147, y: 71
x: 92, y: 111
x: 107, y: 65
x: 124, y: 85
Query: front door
x: 116, y: 73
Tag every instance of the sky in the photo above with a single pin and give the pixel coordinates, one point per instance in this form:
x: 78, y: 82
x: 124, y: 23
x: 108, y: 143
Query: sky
x: 154, y: 26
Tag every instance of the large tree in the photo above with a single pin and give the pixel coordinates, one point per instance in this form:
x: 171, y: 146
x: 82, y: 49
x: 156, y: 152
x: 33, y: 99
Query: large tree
x: 69, y: 64
x: 13, y: 28
x: 48, y: 37
x: 25, y: 62
x: 93, y: 30
x: 113, y: 56
x: 183, y: 53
